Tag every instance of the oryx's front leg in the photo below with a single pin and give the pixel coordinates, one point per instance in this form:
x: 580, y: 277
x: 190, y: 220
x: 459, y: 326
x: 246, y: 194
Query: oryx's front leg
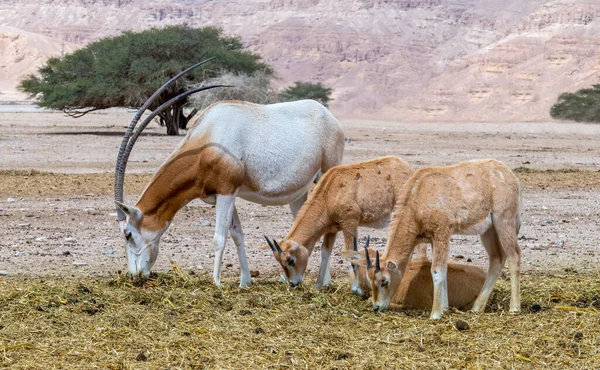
x: 238, y: 238
x: 350, y: 238
x: 225, y: 210
x: 326, y: 249
x: 439, y: 275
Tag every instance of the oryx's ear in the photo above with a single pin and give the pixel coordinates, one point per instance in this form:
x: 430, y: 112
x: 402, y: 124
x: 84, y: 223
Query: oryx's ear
x: 351, y: 255
x: 391, y: 266
x: 134, y: 215
x: 359, y: 262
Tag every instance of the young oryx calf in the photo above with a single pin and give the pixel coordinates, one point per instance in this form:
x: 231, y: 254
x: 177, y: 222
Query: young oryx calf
x: 479, y: 197
x: 416, y: 288
x: 346, y: 196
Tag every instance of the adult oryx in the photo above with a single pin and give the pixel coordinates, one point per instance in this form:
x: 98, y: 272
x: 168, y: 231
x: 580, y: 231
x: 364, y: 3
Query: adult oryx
x: 266, y: 154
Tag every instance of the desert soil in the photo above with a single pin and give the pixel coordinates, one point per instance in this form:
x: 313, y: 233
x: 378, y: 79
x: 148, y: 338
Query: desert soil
x: 63, y: 223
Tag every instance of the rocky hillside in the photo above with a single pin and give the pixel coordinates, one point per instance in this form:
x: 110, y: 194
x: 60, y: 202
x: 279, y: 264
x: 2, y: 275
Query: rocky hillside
x: 442, y: 60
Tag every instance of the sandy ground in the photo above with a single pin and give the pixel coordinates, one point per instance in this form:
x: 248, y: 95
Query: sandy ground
x: 65, y: 225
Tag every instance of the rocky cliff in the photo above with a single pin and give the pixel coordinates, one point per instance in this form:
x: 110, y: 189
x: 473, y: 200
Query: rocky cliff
x: 443, y: 60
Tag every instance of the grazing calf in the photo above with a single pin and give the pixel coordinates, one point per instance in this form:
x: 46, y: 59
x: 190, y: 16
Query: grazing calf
x: 347, y: 196
x: 416, y: 287
x: 480, y: 197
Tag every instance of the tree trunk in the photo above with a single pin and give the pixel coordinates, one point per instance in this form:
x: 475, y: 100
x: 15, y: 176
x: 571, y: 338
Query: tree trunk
x: 167, y: 119
x: 186, y: 119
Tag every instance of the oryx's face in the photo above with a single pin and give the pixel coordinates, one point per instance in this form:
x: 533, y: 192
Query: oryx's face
x: 141, y: 246
x: 370, y: 273
x: 292, y: 257
x: 384, y: 279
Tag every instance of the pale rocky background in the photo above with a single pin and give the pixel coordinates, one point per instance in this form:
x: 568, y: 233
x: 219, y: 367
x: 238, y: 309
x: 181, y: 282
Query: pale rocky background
x: 400, y: 60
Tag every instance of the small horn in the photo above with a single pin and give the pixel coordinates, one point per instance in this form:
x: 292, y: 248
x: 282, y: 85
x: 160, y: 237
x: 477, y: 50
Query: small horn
x: 277, y: 246
x: 367, y: 252
x: 270, y: 244
x: 377, y: 267
x: 355, y: 245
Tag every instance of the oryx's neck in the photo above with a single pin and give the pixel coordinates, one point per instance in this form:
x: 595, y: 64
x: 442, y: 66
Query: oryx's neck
x: 310, y: 224
x: 171, y: 188
x: 402, y: 241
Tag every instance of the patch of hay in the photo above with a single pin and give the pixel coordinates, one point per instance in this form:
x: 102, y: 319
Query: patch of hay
x: 180, y: 320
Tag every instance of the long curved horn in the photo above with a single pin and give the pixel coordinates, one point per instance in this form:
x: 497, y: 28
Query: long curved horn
x: 123, y: 153
x: 377, y: 267
x: 367, y: 252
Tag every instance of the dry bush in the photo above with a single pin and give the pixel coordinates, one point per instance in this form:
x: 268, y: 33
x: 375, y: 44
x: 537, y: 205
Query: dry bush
x: 254, y: 88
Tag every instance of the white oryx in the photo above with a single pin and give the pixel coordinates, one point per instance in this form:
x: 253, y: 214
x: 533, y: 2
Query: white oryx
x: 266, y: 154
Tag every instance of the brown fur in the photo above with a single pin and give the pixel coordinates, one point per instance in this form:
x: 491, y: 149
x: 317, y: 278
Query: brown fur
x: 192, y: 172
x: 438, y: 202
x: 416, y: 288
x: 346, y: 196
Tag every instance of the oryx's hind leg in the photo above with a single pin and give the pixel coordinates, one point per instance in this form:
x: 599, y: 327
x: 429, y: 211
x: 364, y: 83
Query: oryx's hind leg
x: 506, y: 229
x: 496, y: 263
x: 224, y: 218
x: 297, y: 204
x: 238, y: 238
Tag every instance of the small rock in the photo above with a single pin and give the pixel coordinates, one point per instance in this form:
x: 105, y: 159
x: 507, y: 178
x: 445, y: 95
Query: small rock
x: 526, y: 162
x: 535, y: 308
x: 110, y: 252
x: 10, y: 200
x: 578, y: 335
x: 258, y: 330
x: 112, y: 214
x: 3, y: 272
x: 141, y: 357
x: 229, y: 265
x: 29, y: 215
x: 469, y: 260
x: 24, y: 225
x: 461, y: 325
x: 91, y: 211
x: 66, y: 253
x: 254, y: 273
x: 70, y: 240
x: 19, y: 253
x: 459, y: 257
x: 206, y: 223
x: 79, y: 263
x: 41, y: 239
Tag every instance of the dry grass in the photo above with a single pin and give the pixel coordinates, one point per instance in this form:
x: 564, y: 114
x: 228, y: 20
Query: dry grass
x: 177, y: 320
x: 29, y: 183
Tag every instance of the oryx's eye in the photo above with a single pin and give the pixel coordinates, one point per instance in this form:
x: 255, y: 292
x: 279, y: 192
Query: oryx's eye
x: 290, y: 261
x: 384, y: 283
x: 127, y: 234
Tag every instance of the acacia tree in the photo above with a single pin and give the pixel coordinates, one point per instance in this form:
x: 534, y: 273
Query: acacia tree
x: 307, y: 90
x: 123, y: 71
x: 581, y: 106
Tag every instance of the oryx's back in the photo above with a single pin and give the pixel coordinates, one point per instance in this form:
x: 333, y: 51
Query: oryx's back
x: 277, y: 144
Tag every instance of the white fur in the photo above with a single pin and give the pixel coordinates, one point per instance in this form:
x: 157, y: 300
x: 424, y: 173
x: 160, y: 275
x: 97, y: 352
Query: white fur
x: 282, y: 147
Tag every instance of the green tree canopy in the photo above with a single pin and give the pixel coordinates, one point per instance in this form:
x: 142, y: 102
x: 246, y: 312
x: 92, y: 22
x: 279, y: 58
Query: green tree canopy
x: 581, y: 106
x: 123, y: 71
x: 307, y: 90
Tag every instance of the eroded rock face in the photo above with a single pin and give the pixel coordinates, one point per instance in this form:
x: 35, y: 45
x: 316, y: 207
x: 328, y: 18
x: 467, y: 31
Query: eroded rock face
x: 446, y: 60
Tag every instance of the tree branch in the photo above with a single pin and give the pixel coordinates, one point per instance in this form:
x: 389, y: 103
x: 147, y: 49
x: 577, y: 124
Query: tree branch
x: 78, y: 114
